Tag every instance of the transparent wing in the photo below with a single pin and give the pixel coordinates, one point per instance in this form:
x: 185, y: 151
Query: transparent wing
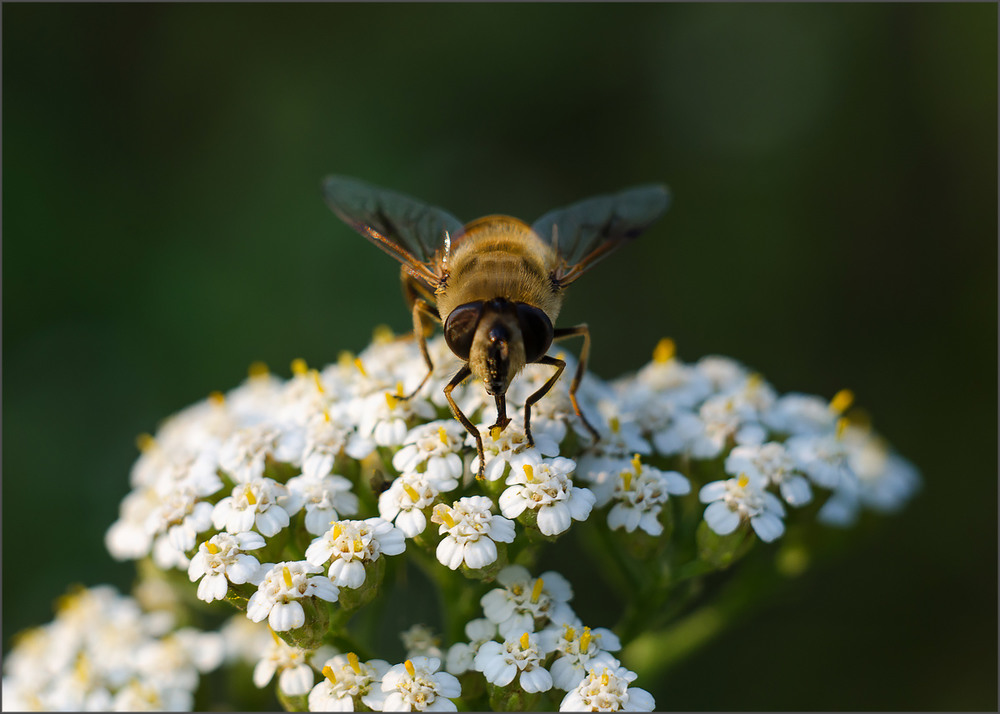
x: 410, y: 231
x: 586, y: 232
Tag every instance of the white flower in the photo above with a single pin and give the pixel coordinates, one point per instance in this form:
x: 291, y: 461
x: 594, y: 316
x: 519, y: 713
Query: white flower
x: 501, y: 448
x: 461, y: 655
x: 243, y: 454
x: 640, y: 491
x: 773, y: 465
x: 606, y: 689
x: 550, y: 492
x: 579, y: 649
x: 667, y: 380
x: 256, y: 502
x: 420, y: 641
x: 408, y: 497
x: 524, y: 603
x: 325, y: 439
x: 725, y: 418
x: 739, y: 499
x: 179, y: 518
x: 435, y: 446
x: 822, y: 457
x: 796, y: 413
x: 500, y: 663
x: 283, y: 585
x: 383, y: 416
x: 346, y: 680
x: 296, y: 676
x: 471, y: 532
x: 327, y: 497
x: 350, y: 545
x: 221, y: 560
x: 415, y: 685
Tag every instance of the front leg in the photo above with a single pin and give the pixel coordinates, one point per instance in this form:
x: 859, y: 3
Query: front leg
x: 469, y: 426
x: 422, y: 307
x: 560, y: 365
x: 581, y: 367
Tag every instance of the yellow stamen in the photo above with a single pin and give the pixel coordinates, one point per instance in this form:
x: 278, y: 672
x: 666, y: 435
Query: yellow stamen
x: 257, y: 369
x: 360, y: 366
x: 382, y: 334
x: 754, y: 381
x: 743, y: 481
x: 212, y: 548
x: 605, y: 680
x: 287, y: 575
x: 560, y: 355
x: 529, y: 472
x: 299, y: 367
x: 442, y: 514
x: 637, y: 464
x: 443, y: 435
x: 345, y: 358
x: 842, y: 425
x: 409, y: 668
x: 326, y: 415
x: 391, y: 400
x: 614, y: 424
x: 569, y: 634
x: 337, y: 529
x: 251, y: 499
x: 525, y: 641
x: 411, y: 492
x: 358, y: 545
x: 353, y: 660
x: 842, y: 401
x: 316, y: 379
x: 145, y: 442
x: 536, y: 591
x: 664, y: 351
x: 585, y: 640
x: 626, y: 480
x: 495, y: 432
x: 217, y: 398
x: 328, y: 673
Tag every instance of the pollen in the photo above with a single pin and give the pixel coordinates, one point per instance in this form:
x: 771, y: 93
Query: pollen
x: 525, y: 641
x: 626, y: 480
x: 536, y: 591
x: 605, y: 679
x: 664, y: 351
x: 328, y: 673
x: 443, y: 515
x: 217, y: 398
x: 585, y: 640
x: 345, y: 358
x: 411, y: 492
x: 570, y: 633
x: 337, y: 529
x: 614, y: 424
x: 409, y: 668
x: 287, y: 575
x: 257, y: 369
x: 251, y: 499
x: 529, y: 472
x: 382, y: 334
x: 495, y: 432
x: 743, y: 481
x: 355, y: 665
x: 391, y: 400
x: 299, y: 367
x: 361, y: 367
x: 443, y: 435
x: 212, y: 548
x: 842, y: 401
x: 145, y: 442
x: 316, y: 379
x: 637, y: 464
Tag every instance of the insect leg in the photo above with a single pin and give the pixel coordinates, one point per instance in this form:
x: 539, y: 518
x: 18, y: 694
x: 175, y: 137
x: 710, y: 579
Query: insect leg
x: 584, y: 331
x: 421, y: 308
x: 560, y: 365
x: 469, y: 426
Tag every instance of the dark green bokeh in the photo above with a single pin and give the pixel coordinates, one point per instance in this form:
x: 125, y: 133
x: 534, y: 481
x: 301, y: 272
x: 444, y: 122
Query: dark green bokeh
x: 835, y: 224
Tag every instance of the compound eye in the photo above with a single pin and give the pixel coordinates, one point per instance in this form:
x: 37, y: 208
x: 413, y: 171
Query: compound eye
x: 460, y: 328
x: 536, y: 331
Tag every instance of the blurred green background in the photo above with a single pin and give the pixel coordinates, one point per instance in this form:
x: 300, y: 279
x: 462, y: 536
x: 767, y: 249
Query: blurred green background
x: 834, y: 168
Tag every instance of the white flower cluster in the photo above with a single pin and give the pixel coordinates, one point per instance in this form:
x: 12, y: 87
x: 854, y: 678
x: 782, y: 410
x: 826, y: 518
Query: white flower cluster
x: 103, y: 653
x: 530, y: 636
x: 285, y: 495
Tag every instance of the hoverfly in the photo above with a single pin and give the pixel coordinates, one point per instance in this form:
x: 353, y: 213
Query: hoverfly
x: 496, y: 284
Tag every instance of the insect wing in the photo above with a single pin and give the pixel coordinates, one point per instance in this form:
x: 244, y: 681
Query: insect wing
x: 586, y: 232
x: 410, y: 231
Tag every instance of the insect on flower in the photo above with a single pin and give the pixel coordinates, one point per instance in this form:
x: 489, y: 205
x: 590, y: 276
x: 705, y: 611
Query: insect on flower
x: 496, y: 284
